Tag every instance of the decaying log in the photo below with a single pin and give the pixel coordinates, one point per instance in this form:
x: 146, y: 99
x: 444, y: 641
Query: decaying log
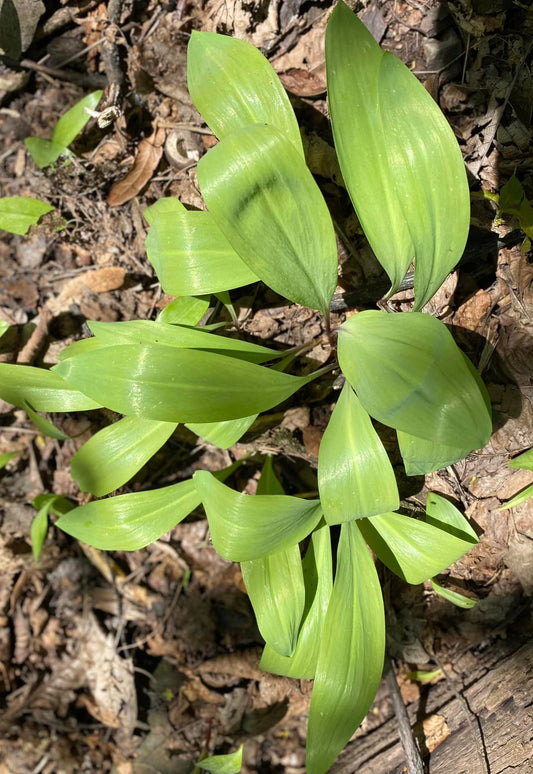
x: 492, y: 734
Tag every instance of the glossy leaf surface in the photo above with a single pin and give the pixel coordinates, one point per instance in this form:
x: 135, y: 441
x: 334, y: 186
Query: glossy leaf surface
x: 414, y: 550
x: 115, y: 454
x: 233, y: 85
x: 266, y: 202
x: 191, y: 255
x: 409, y: 374
x: 177, y: 385
x: 18, y: 213
x: 245, y: 527
x: 43, y: 390
x: 355, y: 477
x: 318, y: 580
x: 164, y: 206
x: 275, y: 584
x: 398, y: 155
x: 131, y: 521
x: 148, y: 332
x: 185, y: 310
x: 421, y: 456
x: 222, y: 434
x: 352, y: 648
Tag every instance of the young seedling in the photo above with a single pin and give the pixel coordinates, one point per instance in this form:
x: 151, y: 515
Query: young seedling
x: 266, y: 220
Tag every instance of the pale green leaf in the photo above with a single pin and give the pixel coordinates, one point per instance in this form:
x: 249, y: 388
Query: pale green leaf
x: 399, y: 158
x: 425, y: 676
x: 149, y: 332
x: 113, y: 455
x: 421, y: 456
x: 459, y: 600
x: 74, y: 120
x: 4, y: 325
x: 524, y: 461
x: 82, y: 346
x: 266, y: 202
x: 46, y: 504
x: 131, y: 521
x: 177, y: 385
x: 222, y: 434
x: 45, y: 152
x: 409, y: 374
x: 276, y: 589
x: 412, y: 549
x: 223, y: 764
x: 245, y: 527
x: 352, y: 648
x: 44, y: 425
x: 185, y: 310
x: 18, y: 213
x: 275, y: 584
x: 233, y: 85
x: 443, y: 514
x: 355, y: 476
x: 166, y: 205
x: 191, y: 255
x: 318, y: 579
x: 43, y: 390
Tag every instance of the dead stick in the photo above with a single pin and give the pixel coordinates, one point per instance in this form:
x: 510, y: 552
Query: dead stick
x: 410, y: 748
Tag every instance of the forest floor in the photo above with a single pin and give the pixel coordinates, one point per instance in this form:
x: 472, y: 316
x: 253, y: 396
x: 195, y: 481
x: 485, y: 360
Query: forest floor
x: 138, y: 662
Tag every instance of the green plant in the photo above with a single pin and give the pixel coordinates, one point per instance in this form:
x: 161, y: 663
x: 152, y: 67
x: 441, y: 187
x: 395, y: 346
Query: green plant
x: 267, y: 220
x: 71, y: 123
x: 18, y: 213
x: 512, y: 201
x: 522, y: 462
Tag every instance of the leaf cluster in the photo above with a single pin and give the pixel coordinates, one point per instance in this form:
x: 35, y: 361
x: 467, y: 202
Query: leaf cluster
x: 317, y: 597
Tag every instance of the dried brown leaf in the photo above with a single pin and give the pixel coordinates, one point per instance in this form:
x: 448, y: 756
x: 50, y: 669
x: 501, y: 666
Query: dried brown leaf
x: 148, y: 157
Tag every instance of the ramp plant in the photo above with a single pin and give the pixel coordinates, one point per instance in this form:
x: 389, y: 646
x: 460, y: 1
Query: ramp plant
x: 306, y: 562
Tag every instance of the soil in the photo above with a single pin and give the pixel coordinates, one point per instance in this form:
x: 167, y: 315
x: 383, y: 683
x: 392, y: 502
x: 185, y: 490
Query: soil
x: 138, y: 662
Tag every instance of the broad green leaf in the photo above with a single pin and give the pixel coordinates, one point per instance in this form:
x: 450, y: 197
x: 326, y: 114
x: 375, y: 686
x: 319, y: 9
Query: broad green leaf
x: 113, y: 455
x: 275, y: 584
x: 131, y: 521
x: 6, y: 457
x: 223, y: 764
x: 519, y: 498
x: 82, y: 346
x: 18, y: 213
x: 148, y: 332
x: 43, y: 390
x: 74, y: 120
x: 245, y: 527
x: 178, y: 385
x: 266, y: 202
x: 453, y: 596
x: 191, y: 255
x: 412, y: 549
x: 318, y: 579
x: 399, y: 158
x: 443, y: 514
x: 45, y: 152
x: 350, y: 659
x: 421, y: 456
x: 355, y: 477
x: 409, y: 374
x: 166, y: 205
x: 523, y: 461
x: 222, y: 434
x: 233, y: 85
x: 44, y: 425
x: 185, y: 310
